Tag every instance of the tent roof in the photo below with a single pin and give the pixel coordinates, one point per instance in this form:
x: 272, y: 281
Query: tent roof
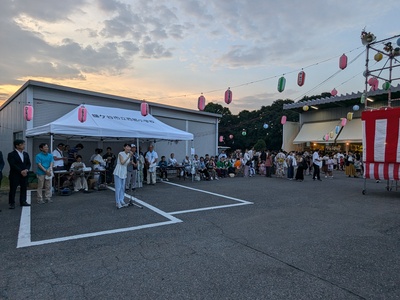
x: 110, y: 123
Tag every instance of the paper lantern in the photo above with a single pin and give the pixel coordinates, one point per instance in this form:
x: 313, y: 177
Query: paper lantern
x: 230, y: 136
x: 373, y: 82
x: 344, y: 122
x: 396, y: 51
x: 378, y: 56
x: 28, y: 112
x: 265, y: 126
x: 398, y: 42
x: 356, y: 107
x: 228, y: 96
x: 281, y: 84
x: 386, y: 85
x: 301, y: 77
x: 283, y: 120
x: 305, y: 107
x: 201, y: 103
x: 244, y: 132
x: 349, y: 116
x: 331, y: 134
x: 337, y: 129
x: 343, y: 62
x: 144, y: 108
x: 334, y: 92
x: 82, y: 114
x: 221, y: 139
x: 327, y: 137
x: 363, y: 98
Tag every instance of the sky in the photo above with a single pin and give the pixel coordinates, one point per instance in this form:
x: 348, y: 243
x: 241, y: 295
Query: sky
x: 171, y: 51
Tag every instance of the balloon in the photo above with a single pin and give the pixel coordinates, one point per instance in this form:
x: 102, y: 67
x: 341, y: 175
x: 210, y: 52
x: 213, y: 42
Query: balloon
x: 305, y: 107
x: 356, y: 107
x: 265, y: 126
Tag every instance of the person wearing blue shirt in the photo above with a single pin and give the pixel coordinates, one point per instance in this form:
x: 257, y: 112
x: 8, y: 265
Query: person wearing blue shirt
x: 44, y: 173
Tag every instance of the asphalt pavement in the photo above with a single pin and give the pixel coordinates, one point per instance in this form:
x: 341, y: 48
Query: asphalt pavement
x: 235, y: 238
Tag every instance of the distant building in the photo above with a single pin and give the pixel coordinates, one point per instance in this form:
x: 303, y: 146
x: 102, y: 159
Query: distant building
x: 51, y: 102
x: 324, y: 114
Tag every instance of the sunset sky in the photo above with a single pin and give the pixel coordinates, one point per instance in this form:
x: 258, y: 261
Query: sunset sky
x: 171, y: 51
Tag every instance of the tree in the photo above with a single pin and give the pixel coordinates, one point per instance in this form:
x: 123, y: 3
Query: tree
x: 260, y: 145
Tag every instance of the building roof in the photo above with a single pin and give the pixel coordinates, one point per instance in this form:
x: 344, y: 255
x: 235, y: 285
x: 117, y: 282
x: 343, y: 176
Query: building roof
x: 46, y: 85
x: 379, y: 95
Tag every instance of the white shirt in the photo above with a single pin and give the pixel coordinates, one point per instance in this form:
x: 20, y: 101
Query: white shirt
x: 316, y: 159
x: 21, y: 154
x: 58, y: 154
x: 121, y: 170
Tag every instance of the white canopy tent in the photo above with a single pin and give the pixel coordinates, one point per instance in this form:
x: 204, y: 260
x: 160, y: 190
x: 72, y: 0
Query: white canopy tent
x: 110, y: 123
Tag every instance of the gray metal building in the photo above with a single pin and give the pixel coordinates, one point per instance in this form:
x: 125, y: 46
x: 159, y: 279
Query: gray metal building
x: 51, y: 102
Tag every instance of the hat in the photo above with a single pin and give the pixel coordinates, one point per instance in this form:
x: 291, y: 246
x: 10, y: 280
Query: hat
x: 133, y: 145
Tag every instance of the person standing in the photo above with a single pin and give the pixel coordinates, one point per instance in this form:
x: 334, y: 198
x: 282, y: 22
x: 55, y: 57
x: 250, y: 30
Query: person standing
x: 120, y: 173
x: 1, y: 168
x: 44, y: 173
x: 317, y: 164
x: 59, y: 159
x: 109, y: 158
x: 132, y: 170
x: 151, y: 160
x: 20, y: 164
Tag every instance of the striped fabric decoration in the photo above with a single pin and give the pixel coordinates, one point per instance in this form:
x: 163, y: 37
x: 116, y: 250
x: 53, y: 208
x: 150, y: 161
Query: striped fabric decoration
x: 381, y: 135
x: 386, y: 171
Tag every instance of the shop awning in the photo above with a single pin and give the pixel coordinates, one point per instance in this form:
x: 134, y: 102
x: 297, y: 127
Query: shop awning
x: 315, y: 132
x: 351, y: 133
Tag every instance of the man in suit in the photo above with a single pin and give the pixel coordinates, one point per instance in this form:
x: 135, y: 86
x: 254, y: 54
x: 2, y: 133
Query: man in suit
x: 1, y: 168
x: 20, y: 164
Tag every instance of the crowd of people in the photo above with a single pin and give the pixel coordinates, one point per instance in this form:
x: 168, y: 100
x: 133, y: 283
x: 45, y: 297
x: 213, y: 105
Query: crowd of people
x: 128, y: 168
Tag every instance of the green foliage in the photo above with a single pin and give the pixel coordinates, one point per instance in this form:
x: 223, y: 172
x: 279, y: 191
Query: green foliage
x: 260, y: 145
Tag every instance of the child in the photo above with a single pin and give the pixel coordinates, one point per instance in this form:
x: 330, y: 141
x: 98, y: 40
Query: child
x: 329, y: 164
x: 163, y: 164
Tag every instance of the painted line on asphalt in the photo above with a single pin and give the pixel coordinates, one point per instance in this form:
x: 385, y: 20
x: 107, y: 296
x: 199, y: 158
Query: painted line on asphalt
x: 242, y: 202
x: 24, y: 234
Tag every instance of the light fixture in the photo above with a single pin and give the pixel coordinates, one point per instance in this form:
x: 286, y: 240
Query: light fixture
x: 370, y: 100
x: 314, y: 107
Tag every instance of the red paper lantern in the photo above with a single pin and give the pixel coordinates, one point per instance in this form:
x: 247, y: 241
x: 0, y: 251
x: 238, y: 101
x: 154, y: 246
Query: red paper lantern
x: 82, y: 114
x: 228, y: 96
x: 201, y: 102
x: 283, y: 120
x: 374, y: 83
x: 327, y: 137
x: 301, y: 77
x: 144, y: 108
x: 28, y: 112
x: 344, y: 121
x: 221, y: 138
x: 334, y: 92
x: 343, y: 62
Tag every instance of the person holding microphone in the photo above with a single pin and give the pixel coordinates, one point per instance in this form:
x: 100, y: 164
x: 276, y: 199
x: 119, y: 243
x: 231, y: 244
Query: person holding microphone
x: 120, y: 174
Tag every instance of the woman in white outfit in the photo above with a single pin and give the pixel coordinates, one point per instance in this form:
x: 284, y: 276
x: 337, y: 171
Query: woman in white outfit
x: 120, y: 174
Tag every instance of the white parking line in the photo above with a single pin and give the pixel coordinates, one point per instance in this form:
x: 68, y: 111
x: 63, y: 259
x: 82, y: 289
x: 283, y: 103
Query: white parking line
x: 24, y: 234
x: 242, y: 202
